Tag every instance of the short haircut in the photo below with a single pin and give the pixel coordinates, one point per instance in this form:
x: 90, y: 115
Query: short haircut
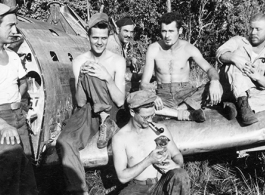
x: 171, y: 17
x: 257, y: 17
x: 137, y: 110
x: 100, y: 25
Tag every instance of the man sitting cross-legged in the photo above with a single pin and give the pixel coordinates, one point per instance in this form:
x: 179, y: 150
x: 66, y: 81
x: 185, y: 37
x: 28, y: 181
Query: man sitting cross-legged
x: 169, y: 58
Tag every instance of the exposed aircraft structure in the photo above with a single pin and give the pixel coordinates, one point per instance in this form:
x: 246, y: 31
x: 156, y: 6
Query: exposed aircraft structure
x: 47, y: 50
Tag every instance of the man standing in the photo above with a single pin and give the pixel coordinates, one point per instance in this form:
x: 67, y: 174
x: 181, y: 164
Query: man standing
x: 244, y: 59
x: 169, y: 58
x: 100, y: 90
x: 138, y: 161
x: 16, y: 173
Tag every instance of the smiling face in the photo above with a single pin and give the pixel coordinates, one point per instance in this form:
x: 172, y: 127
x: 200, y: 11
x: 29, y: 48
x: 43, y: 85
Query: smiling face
x: 170, y: 33
x: 257, y: 32
x: 8, y: 29
x: 98, y: 40
x: 126, y: 33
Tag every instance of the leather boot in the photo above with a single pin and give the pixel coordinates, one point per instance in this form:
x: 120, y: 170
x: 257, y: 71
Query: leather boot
x: 245, y: 114
x: 230, y: 110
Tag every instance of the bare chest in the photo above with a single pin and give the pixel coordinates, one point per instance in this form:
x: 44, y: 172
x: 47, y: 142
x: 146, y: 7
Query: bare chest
x: 139, y: 147
x: 172, y: 61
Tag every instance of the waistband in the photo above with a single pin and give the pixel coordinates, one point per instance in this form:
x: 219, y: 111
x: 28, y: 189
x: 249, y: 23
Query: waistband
x: 149, y: 181
x: 11, y: 106
x: 175, y: 84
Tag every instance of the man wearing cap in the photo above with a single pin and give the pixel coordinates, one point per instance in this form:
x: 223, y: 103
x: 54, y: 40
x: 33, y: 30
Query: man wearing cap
x: 136, y: 158
x: 170, y: 59
x: 121, y: 43
x: 16, y: 173
x: 100, y: 90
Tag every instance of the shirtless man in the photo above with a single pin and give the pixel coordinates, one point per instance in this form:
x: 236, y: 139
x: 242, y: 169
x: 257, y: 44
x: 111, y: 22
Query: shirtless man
x: 100, y: 90
x: 136, y: 157
x: 169, y: 58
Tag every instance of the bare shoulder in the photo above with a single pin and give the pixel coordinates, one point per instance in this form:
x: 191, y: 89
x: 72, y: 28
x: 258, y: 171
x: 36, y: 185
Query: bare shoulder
x: 79, y: 60
x: 190, y: 48
x: 121, y: 135
x: 154, y: 47
x: 116, y: 60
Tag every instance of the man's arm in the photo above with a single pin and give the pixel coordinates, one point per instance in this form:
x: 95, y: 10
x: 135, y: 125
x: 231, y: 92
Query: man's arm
x: 80, y: 93
x: 116, y: 86
x: 23, y: 85
x: 235, y: 57
x: 215, y: 89
x: 149, y: 67
x: 125, y: 173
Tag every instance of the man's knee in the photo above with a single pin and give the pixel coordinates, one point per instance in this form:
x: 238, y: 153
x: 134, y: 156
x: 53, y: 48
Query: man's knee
x: 179, y: 174
x: 64, y: 141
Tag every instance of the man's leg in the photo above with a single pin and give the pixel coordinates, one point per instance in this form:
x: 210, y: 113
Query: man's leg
x: 173, y: 95
x: 11, y: 159
x: 174, y: 182
x: 103, y: 105
x: 27, y: 183
x: 75, y: 135
x: 240, y: 84
x: 135, y: 189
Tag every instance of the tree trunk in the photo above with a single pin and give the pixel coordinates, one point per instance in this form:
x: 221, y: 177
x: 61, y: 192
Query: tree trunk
x: 168, y: 6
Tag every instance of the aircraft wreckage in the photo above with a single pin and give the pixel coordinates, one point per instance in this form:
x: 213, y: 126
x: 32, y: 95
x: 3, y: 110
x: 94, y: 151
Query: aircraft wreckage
x: 47, y: 49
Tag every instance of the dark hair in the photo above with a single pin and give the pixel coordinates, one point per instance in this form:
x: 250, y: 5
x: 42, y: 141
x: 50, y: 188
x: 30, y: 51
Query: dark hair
x: 171, y: 17
x: 149, y: 105
x: 100, y: 25
x: 257, y: 17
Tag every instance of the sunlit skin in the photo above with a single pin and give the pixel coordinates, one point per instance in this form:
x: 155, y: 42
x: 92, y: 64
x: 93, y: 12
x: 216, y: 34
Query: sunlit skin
x: 98, y: 40
x: 8, y: 29
x: 144, y: 116
x: 169, y: 58
x: 126, y: 33
x: 257, y: 32
x: 170, y: 34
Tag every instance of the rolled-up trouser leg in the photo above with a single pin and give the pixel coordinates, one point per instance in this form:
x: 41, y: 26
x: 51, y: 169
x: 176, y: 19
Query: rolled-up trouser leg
x: 239, y: 82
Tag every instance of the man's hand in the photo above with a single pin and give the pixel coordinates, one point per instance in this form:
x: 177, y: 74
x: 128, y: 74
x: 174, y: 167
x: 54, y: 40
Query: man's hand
x: 9, y: 134
x: 159, y: 103
x: 135, y: 67
x: 252, y: 72
x: 215, y: 92
x: 156, y: 157
x: 240, y: 60
x: 96, y: 70
x: 168, y: 165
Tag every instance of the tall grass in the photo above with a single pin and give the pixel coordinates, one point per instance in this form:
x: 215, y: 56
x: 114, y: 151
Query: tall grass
x: 228, y: 176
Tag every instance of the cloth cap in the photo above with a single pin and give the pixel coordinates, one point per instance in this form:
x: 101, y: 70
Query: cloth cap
x: 96, y: 18
x: 5, y: 9
x: 124, y: 21
x: 140, y: 98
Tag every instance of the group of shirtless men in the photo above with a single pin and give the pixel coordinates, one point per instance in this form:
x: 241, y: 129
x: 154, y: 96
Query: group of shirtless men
x: 100, y: 92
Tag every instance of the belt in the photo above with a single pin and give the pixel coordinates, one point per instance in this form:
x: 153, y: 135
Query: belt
x: 149, y: 181
x: 12, y: 106
x: 174, y: 84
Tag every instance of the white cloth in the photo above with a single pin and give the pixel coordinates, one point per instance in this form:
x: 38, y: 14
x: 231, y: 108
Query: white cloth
x: 9, y: 75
